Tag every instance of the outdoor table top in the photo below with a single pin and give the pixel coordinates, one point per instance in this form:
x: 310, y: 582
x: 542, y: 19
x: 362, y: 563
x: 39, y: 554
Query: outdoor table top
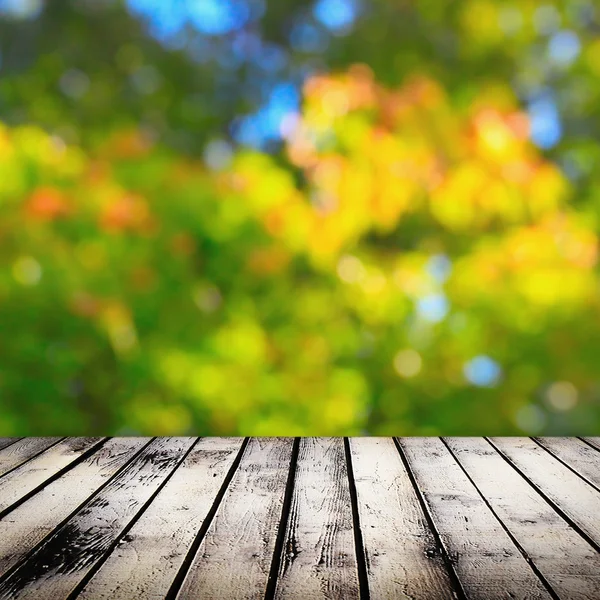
x: 352, y: 518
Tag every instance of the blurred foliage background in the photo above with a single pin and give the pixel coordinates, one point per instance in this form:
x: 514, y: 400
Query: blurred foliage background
x: 340, y: 217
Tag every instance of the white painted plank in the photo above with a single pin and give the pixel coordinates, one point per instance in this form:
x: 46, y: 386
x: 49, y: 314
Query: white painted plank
x: 146, y: 563
x: 28, y: 524
x: 319, y: 558
x: 594, y: 441
x: 399, y: 546
x: 578, y: 500
x: 577, y: 455
x: 569, y: 564
x: 7, y: 441
x: 487, y: 562
x: 56, y: 568
x: 16, y: 454
x: 235, y: 556
x: 26, y: 478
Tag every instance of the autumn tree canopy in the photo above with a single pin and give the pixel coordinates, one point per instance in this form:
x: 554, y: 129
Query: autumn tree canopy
x: 292, y: 218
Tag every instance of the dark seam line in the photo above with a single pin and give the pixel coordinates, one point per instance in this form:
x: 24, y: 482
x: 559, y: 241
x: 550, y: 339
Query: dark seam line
x: 31, y: 457
x: 359, y: 546
x: 572, y: 469
x: 589, y: 444
x: 193, y: 549
x: 283, y: 522
x: 15, y: 440
x: 86, y: 454
x: 98, y: 564
x: 556, y: 508
x: 522, y: 550
x: 62, y: 523
x: 454, y: 579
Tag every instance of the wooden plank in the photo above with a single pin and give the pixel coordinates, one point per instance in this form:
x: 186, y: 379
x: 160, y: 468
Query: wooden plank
x: 28, y: 524
x: 319, y: 559
x: 593, y: 441
x: 576, y: 499
x: 16, y: 454
x: 56, y: 568
x: 30, y: 475
x: 486, y: 560
x: 567, y: 562
x: 7, y: 441
x: 400, y: 549
x: 577, y: 455
x: 245, y: 527
x: 146, y: 563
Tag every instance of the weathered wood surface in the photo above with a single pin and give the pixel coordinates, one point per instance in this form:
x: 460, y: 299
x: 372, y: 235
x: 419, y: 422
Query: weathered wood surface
x: 7, y: 441
x: 564, y: 559
x: 244, y: 529
x: 571, y: 495
x: 592, y: 441
x: 485, y: 558
x: 62, y: 562
x: 28, y: 524
x: 310, y: 518
x: 17, y: 453
x: 147, y: 561
x: 318, y: 553
x: 24, y: 479
x: 576, y: 455
x: 402, y: 557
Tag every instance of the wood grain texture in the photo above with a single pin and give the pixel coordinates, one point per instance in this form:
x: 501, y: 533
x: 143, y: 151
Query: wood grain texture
x: 220, y: 518
x: 400, y: 549
x: 7, y: 441
x: 22, y: 450
x: 578, y: 500
x: 593, y: 441
x: 28, y: 524
x: 145, y: 564
x: 244, y: 529
x: 576, y: 454
x: 487, y: 562
x: 56, y: 568
x: 319, y: 559
x: 26, y: 478
x: 569, y: 564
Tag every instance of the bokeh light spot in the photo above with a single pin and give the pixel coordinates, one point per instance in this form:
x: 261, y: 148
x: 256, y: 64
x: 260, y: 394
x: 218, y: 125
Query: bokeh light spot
x: 564, y: 47
x: 439, y: 267
x: 21, y: 9
x: 218, y: 154
x: 216, y: 17
x: 266, y: 124
x: 482, y: 371
x: 546, y: 19
x: 271, y: 58
x: 561, y: 396
x: 146, y: 79
x: 207, y: 298
x: 546, y: 129
x: 408, y: 363
x: 74, y: 83
x: 350, y: 269
x: 337, y: 15
x: 306, y: 37
x: 167, y: 19
x: 531, y: 418
x: 510, y: 20
x: 433, y: 307
x: 27, y: 271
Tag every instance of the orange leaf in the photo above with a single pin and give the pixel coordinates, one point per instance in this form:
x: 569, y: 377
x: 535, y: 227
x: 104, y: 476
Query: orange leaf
x: 126, y: 213
x: 47, y: 204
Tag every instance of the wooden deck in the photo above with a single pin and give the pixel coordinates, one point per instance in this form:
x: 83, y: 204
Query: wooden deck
x: 348, y: 518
